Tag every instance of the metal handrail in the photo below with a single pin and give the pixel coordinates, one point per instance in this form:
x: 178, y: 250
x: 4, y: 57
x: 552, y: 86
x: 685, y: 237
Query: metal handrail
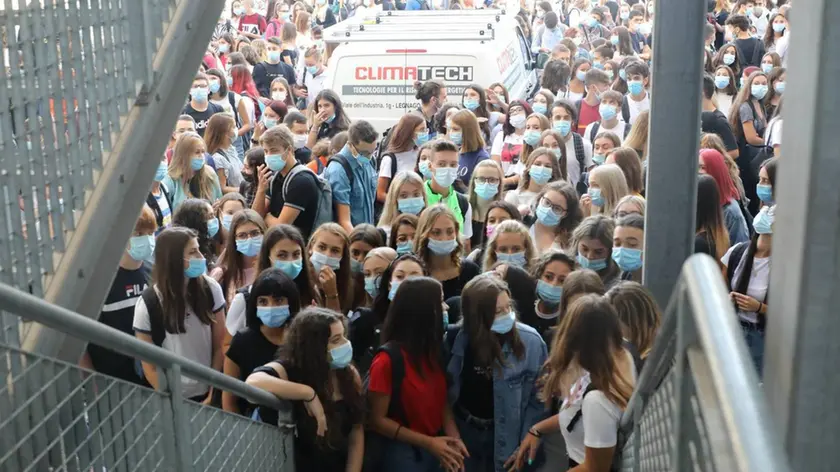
x: 742, y: 406
x: 33, y: 308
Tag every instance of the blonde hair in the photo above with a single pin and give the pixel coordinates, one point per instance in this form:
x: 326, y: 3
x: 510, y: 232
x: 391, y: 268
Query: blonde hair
x: 613, y: 185
x: 391, y: 210
x: 180, y: 170
x: 508, y: 227
x: 638, y: 137
x: 260, y: 48
x: 471, y: 190
x: 556, y: 174
x: 470, y: 130
x: 638, y: 312
x: 635, y: 200
x: 424, y: 227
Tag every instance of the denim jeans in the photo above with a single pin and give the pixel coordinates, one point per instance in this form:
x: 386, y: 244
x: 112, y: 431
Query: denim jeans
x: 479, y: 444
x: 402, y: 457
x: 755, y: 344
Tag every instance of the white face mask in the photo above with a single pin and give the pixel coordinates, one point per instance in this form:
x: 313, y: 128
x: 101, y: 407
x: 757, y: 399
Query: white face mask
x: 300, y: 140
x: 279, y: 96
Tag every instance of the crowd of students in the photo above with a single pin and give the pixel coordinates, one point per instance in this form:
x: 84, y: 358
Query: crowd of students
x: 460, y: 291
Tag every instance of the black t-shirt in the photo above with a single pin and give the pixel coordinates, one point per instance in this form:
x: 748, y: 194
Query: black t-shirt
x: 292, y: 54
x: 747, y: 50
x: 265, y: 72
x: 715, y: 122
x: 476, y: 396
x: 452, y: 287
x: 118, y: 313
x: 303, y: 194
x: 250, y: 349
x: 201, y: 117
x: 329, y: 20
x: 303, y: 155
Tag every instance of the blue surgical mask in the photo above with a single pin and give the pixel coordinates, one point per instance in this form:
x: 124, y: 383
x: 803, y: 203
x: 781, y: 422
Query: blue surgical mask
x: 503, y: 324
x: 598, y: 65
x: 319, y: 259
x: 412, y: 206
x: 269, y: 122
x: 195, y: 268
x: 758, y: 91
x: 226, y: 221
x: 721, y: 81
x: 372, y: 286
x: 312, y: 70
x: 214, y: 87
x: 224, y: 48
x: 486, y: 190
x: 356, y: 267
x: 162, y: 169
x: 599, y: 159
x: 558, y: 152
x: 516, y: 259
x: 627, y: 259
x: 763, y: 222
x: 405, y: 247
x: 423, y: 166
x: 249, y: 247
x: 593, y: 264
x: 547, y: 216
x: 456, y: 137
x: 540, y: 174
x: 531, y: 137
x: 341, y: 356
x: 766, y: 68
x: 446, y: 176
x: 273, y: 316
x: 471, y: 104
x: 779, y: 27
x: 290, y: 268
x: 392, y: 292
x: 363, y: 159
x: 636, y: 87
x: 564, y: 127
x: 608, y: 112
x: 141, y: 248
x: 540, y: 108
x: 625, y: 15
x: 275, y: 162
x: 330, y: 119
x: 549, y: 294
x: 764, y: 192
x: 580, y: 75
x: 199, y: 94
x: 212, y: 227
x: 196, y: 163
x: 273, y: 56
x: 614, y: 39
x: 729, y: 59
x: 597, y: 198
x: 623, y: 74
x: 421, y: 138
x: 442, y: 247
x: 779, y: 87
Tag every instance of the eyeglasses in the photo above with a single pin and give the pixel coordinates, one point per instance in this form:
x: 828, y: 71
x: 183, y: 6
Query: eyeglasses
x: 253, y: 234
x: 555, y: 208
x: 487, y: 180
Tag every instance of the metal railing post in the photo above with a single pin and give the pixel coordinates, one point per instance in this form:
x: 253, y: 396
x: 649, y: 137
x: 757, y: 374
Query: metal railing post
x: 180, y: 424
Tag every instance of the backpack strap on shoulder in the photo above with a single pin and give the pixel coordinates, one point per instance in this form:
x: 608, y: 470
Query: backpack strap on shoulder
x: 579, y: 414
x: 155, y: 310
x: 463, y: 204
x: 395, y: 409
x: 596, y: 126
x: 346, y: 165
x: 734, y: 259
x: 297, y: 169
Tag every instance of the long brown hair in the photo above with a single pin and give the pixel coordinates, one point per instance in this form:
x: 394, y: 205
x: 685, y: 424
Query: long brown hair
x: 402, y: 136
x: 638, y: 312
x: 233, y: 262
x: 305, y: 281
x: 172, y: 284
x: 590, y: 341
x: 556, y: 174
x: 478, y: 309
x: 580, y: 282
x: 217, y: 133
x: 424, y: 227
x: 342, y: 275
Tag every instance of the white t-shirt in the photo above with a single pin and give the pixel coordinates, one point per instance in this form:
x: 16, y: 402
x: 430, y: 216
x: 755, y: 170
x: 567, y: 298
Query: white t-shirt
x: 405, y: 163
x: 574, y: 96
x: 759, y: 280
x: 520, y: 198
x: 637, y: 107
x: 314, y: 85
x: 513, y: 139
x: 598, y: 428
x: 724, y: 103
x: 572, y: 166
x: 773, y: 135
x: 196, y: 344
x: 617, y: 130
x: 235, y: 318
x: 760, y: 22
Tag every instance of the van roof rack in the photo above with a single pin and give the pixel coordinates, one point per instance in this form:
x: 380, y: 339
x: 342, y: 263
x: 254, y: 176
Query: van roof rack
x: 399, y: 28
x: 470, y: 34
x: 451, y: 13
x: 468, y: 16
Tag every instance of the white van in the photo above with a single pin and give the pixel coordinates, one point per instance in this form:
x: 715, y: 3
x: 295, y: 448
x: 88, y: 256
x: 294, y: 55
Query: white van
x: 375, y: 60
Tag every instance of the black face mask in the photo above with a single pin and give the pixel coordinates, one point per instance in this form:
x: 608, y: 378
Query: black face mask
x: 248, y: 177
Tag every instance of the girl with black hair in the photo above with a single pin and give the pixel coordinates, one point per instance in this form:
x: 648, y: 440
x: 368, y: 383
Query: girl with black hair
x: 316, y: 374
x: 366, y: 323
x: 766, y: 188
x: 550, y: 272
x: 747, y: 267
x: 363, y: 239
x: 507, y: 145
x: 414, y: 330
x: 273, y: 302
x: 494, y: 366
x: 198, y: 216
x: 190, y: 309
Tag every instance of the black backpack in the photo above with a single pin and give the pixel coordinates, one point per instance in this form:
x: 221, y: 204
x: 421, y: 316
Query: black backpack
x: 376, y: 444
x: 346, y: 165
x: 580, y: 153
x: 155, y: 309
